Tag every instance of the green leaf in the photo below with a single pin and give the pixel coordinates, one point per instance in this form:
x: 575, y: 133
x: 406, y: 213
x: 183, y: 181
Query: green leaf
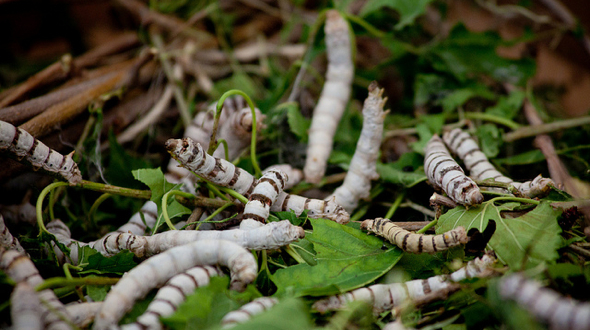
x: 292, y: 217
x: 393, y: 175
x: 96, y: 263
x: 97, y: 292
x: 138, y: 308
x: 208, y: 305
x: 508, y: 106
x: 408, y: 10
x: 458, y: 97
x: 297, y: 123
x: 531, y: 239
x: 528, y: 157
x: 490, y: 139
x: 154, y: 178
x: 346, y: 259
x: 425, y: 135
x: 120, y: 165
x: 292, y: 309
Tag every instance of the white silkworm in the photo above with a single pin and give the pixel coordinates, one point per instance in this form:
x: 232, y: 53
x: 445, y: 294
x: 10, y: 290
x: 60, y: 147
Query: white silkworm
x: 171, y: 295
x: 480, y: 168
x: 384, y: 297
x: 265, y: 193
x: 25, y: 308
x: 136, y: 225
x: 192, y: 156
x: 545, y: 304
x: 83, y: 313
x: 21, y: 269
x: 295, y: 175
x: 158, y: 269
x: 363, y: 166
x: 247, y: 311
x: 415, y: 243
x: 20, y: 213
x: 333, y: 99
x: 27, y: 149
x: 444, y: 173
x: 7, y: 240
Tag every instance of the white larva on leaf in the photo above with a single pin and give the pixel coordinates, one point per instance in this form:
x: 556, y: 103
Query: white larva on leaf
x: 83, y: 313
x: 192, y: 156
x: 21, y: 269
x: 266, y: 237
x: 265, y: 193
x: 25, y: 309
x: 247, y: 311
x: 480, y: 168
x: 363, y: 166
x: 171, y: 295
x: 384, y: 297
x: 333, y: 99
x: 444, y: 173
x: 7, y: 240
x: 415, y: 243
x: 545, y: 304
x: 158, y: 269
x: 295, y: 175
x: 29, y: 150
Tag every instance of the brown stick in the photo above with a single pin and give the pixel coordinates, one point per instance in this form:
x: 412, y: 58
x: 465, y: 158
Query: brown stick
x: 61, y: 69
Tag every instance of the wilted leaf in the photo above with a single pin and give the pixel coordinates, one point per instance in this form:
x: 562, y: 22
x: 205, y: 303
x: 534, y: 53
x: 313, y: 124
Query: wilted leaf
x: 532, y: 238
x: 346, y: 259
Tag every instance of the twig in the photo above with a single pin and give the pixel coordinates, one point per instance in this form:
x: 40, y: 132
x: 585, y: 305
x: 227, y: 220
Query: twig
x: 203, y: 202
x: 579, y: 250
x: 412, y: 130
x: 115, y: 190
x: 568, y: 18
x: 529, y: 131
x: 419, y: 208
x: 193, y: 219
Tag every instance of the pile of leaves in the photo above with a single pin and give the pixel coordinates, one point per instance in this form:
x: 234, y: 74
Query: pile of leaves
x: 434, y: 78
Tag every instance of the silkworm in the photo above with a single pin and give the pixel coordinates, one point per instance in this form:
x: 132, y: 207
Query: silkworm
x: 270, y: 236
x: 83, y: 313
x: 7, y: 240
x: 295, y: 175
x: 363, y: 166
x: 192, y: 156
x: 444, y: 173
x: 158, y: 269
x: 384, y: 297
x: 545, y: 304
x: 25, y: 148
x: 136, y: 224
x: 25, y: 308
x: 247, y: 311
x: 415, y: 243
x: 20, y: 213
x: 171, y: 295
x: 480, y: 168
x: 21, y: 269
x: 333, y: 99
x: 265, y: 193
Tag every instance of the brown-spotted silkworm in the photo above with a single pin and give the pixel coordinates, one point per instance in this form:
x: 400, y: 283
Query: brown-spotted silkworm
x: 25, y: 148
x: 415, y: 243
x: 192, y: 156
x: 265, y: 193
x: 25, y: 309
x: 158, y: 269
x: 247, y: 311
x: 363, y: 166
x: 267, y: 237
x: 171, y: 295
x: 7, y: 240
x: 333, y: 99
x: 480, y: 168
x: 21, y: 269
x: 384, y: 297
x: 295, y: 175
x: 444, y: 173
x: 545, y: 304
x: 83, y: 313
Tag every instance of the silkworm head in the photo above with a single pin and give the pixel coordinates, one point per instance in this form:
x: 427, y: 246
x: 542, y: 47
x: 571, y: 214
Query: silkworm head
x: 171, y: 145
x: 473, y: 197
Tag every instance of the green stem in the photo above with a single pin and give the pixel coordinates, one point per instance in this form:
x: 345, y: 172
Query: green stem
x: 56, y: 282
x: 491, y: 118
x: 212, y: 141
x: 360, y: 213
x: 215, y: 190
x: 395, y: 205
x: 428, y: 226
x: 39, y: 207
x: 225, y: 148
x: 530, y: 131
x: 294, y: 254
x: 366, y: 25
x: 234, y: 194
x: 165, y: 205
x: 219, y: 210
x: 106, y: 188
x: 200, y: 201
x: 96, y: 204
x: 515, y: 199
